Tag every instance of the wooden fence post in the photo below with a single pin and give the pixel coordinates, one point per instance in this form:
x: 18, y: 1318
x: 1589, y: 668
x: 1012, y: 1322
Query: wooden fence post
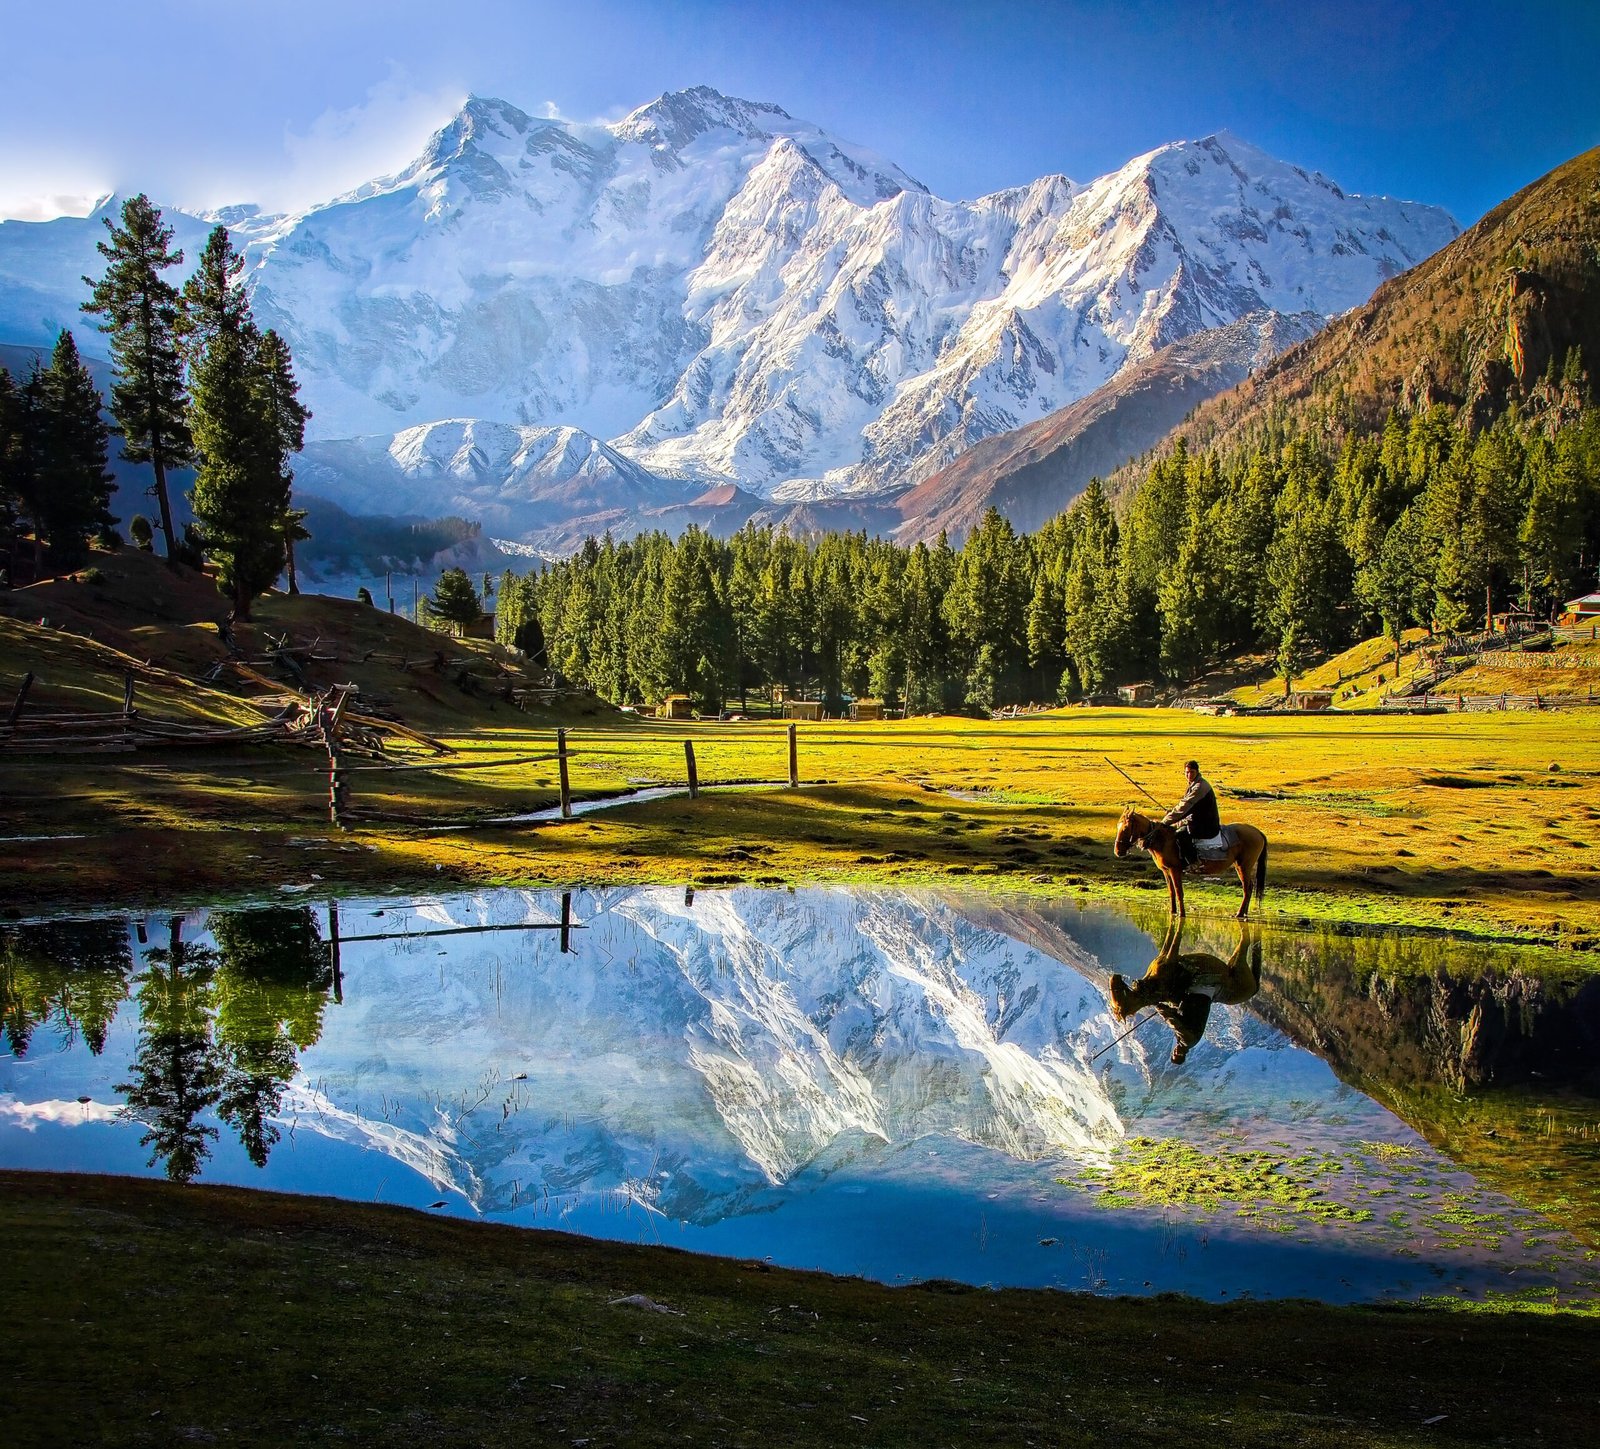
x: 794, y: 760
x: 22, y: 695
x: 694, y: 778
x: 333, y: 949
x: 566, y: 787
x: 338, y: 787
x: 338, y: 782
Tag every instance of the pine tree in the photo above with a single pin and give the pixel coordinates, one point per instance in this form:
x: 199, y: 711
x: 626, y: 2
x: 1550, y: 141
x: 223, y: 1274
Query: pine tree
x: 280, y: 395
x: 455, y: 600
x: 1395, y: 583
x: 140, y: 311
x: 240, y: 498
x: 11, y: 455
x: 72, y: 488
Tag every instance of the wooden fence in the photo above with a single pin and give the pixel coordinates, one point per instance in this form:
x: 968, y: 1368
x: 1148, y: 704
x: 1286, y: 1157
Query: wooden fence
x: 348, y: 743
x: 1482, y: 703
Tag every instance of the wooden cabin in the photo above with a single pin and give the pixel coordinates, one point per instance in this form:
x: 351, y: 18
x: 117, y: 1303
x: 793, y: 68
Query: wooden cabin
x: 1582, y: 611
x: 866, y: 709
x: 802, y: 709
x: 1136, y: 693
x: 1312, y: 700
x: 675, y: 706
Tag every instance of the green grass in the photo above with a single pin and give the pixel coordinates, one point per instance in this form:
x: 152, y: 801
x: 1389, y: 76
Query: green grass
x: 145, y: 1314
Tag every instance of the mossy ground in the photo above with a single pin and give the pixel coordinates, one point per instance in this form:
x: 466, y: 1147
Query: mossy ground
x: 146, y: 1314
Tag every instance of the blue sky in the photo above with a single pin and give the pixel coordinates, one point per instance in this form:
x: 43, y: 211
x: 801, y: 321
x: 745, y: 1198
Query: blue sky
x: 205, y: 102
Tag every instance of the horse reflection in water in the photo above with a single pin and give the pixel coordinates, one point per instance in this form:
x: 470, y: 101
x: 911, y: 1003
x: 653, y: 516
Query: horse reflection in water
x: 1183, y: 985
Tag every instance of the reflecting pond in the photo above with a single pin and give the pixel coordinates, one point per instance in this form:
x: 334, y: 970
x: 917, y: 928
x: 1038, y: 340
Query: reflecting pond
x: 900, y: 1085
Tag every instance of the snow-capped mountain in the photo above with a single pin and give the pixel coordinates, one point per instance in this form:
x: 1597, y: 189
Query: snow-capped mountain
x: 515, y: 480
x: 730, y: 295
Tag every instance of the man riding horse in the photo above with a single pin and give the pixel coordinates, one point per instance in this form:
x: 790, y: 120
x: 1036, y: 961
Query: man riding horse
x: 1195, y: 816
x: 1193, y: 822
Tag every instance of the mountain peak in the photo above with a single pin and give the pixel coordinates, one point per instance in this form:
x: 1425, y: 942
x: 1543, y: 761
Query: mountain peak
x: 681, y: 117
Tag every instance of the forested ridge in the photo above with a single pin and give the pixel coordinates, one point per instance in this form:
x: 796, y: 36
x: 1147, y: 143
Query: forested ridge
x: 1289, y: 545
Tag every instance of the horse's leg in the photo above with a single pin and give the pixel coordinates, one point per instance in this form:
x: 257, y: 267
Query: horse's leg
x: 1244, y: 881
x: 1174, y: 887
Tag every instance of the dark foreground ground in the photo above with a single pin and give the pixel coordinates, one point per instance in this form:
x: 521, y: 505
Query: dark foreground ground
x: 139, y: 1313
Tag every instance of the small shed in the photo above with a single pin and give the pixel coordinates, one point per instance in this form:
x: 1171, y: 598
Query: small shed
x: 675, y: 706
x: 1312, y: 700
x: 802, y: 709
x: 866, y: 709
x: 1136, y: 693
x: 1585, y: 610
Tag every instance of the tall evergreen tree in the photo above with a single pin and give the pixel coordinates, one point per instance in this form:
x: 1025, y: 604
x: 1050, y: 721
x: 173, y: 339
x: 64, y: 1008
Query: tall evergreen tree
x: 72, y: 490
x: 12, y: 454
x: 240, y: 498
x: 139, y: 309
x: 280, y: 396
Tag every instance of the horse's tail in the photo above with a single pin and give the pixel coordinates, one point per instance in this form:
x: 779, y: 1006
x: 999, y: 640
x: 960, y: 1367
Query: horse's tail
x: 1261, y: 870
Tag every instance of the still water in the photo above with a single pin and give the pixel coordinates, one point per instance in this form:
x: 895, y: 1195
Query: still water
x: 903, y: 1086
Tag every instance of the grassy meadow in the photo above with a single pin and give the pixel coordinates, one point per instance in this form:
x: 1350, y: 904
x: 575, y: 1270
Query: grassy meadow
x: 1479, y: 822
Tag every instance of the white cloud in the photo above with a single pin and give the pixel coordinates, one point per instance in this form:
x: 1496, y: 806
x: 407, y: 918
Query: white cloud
x: 25, y: 206
x: 343, y: 148
x: 28, y: 1115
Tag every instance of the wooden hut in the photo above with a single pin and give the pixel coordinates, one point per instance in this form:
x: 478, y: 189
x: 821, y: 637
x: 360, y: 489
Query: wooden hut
x: 802, y: 709
x: 675, y: 706
x: 1313, y: 700
x: 1136, y: 693
x: 868, y: 709
x: 1585, y: 610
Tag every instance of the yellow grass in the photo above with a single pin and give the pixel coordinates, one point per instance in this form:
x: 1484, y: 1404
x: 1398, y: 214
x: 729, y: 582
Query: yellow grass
x: 1455, y: 820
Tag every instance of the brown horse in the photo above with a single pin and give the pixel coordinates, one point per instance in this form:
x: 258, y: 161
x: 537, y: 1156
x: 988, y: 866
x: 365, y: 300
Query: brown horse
x: 1247, y: 856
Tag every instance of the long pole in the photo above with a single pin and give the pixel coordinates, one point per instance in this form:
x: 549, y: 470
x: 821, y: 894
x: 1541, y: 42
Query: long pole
x: 1114, y: 1040
x: 1136, y: 785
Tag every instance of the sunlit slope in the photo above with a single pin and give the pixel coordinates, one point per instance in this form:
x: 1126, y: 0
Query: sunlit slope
x: 1475, y: 326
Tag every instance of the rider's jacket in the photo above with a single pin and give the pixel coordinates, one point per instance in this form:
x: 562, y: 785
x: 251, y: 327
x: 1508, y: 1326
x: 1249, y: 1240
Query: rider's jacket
x: 1199, y: 808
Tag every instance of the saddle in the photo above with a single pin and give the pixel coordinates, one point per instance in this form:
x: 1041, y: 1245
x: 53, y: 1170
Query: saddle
x: 1194, y: 854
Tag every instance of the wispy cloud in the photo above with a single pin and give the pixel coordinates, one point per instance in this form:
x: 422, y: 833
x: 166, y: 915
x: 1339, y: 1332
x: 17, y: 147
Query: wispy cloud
x: 43, y: 206
x: 342, y: 148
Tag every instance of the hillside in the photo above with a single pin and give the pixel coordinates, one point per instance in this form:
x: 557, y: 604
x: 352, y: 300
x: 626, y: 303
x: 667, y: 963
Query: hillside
x: 79, y: 635
x: 1475, y: 327
x: 1034, y: 472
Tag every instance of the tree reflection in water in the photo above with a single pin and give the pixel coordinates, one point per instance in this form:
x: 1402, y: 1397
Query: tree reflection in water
x: 222, y: 1026
x: 272, y: 983
x: 70, y: 974
x: 176, y: 1072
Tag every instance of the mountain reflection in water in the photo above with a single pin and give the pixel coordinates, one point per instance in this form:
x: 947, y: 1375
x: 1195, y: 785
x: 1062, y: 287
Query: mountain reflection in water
x: 898, y: 1085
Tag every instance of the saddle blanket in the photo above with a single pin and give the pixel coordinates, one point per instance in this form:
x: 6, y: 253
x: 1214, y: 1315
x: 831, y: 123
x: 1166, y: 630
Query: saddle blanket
x: 1218, y: 846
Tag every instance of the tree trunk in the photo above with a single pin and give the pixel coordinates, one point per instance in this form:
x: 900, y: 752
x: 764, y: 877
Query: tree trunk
x: 288, y: 545
x: 163, y: 502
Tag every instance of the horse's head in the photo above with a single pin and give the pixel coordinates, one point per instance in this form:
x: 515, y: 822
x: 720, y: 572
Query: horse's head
x: 1131, y: 829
